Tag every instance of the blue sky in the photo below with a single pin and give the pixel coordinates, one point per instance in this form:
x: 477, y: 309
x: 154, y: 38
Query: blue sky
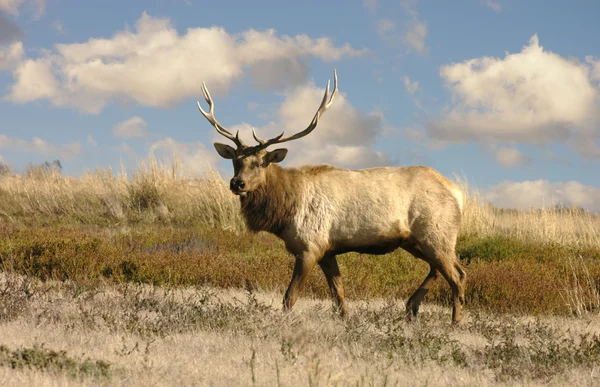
x: 504, y: 93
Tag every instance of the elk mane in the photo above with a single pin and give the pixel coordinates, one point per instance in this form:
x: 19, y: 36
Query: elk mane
x: 273, y: 205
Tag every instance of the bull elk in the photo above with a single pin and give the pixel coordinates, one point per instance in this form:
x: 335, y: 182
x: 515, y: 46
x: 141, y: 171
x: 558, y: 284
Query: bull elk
x: 322, y: 211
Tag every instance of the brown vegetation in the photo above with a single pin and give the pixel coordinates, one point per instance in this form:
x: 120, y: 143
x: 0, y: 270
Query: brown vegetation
x: 143, y: 241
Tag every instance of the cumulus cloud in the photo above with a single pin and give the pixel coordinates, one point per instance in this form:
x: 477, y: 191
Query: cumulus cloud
x: 415, y: 36
x: 154, y: 65
x: 10, y: 55
x: 534, y: 96
x: 343, y: 138
x: 11, y: 48
x: 194, y: 157
x: 37, y: 145
x: 511, y: 157
x: 542, y: 193
x: 9, y: 30
x: 595, y: 63
x: 11, y: 7
x: 133, y: 127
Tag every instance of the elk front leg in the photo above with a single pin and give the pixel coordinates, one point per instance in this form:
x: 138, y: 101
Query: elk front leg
x: 331, y: 270
x: 304, y: 264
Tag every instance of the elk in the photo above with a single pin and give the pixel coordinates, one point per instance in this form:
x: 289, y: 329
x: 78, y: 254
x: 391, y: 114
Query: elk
x: 322, y: 211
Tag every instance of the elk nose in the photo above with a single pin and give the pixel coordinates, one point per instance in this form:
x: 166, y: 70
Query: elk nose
x: 236, y: 184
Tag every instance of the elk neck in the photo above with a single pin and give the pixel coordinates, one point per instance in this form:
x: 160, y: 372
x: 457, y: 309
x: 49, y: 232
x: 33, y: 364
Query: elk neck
x: 273, y: 205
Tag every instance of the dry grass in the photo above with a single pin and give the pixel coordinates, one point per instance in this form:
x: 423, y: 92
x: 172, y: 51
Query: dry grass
x: 204, y: 336
x: 563, y: 226
x: 162, y: 193
x: 505, y: 275
x: 155, y: 193
x: 110, y: 279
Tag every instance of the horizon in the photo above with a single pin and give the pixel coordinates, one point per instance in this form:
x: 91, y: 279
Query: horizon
x: 502, y: 93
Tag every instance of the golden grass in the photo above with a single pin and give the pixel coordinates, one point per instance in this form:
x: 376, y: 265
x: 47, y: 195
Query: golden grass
x: 153, y: 193
x: 144, y: 335
x: 565, y: 226
x: 105, y: 236
x: 158, y: 192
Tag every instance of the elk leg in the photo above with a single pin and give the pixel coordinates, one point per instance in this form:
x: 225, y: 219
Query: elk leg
x: 413, y: 303
x: 456, y: 278
x: 412, y: 306
x: 302, y: 268
x: 331, y: 270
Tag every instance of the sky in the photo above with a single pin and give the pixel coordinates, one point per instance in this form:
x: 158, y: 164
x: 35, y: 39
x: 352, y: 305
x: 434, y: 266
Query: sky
x: 504, y: 94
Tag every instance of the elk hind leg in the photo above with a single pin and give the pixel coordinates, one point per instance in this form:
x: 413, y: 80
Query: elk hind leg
x: 331, y: 270
x: 413, y: 303
x: 456, y: 277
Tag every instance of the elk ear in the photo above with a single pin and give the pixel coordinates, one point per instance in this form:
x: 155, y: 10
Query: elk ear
x: 276, y: 156
x: 225, y: 151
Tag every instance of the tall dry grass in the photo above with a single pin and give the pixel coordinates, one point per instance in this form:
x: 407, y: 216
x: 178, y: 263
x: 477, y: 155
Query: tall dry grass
x: 564, y: 226
x: 154, y: 192
x: 159, y: 192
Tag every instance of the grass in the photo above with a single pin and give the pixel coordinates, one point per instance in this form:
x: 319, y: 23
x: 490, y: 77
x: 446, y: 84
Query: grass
x: 40, y: 358
x: 504, y: 275
x: 205, y: 336
x: 147, y: 270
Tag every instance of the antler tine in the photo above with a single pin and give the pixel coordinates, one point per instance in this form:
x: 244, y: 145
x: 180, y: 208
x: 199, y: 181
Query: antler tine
x: 211, y: 118
x: 325, y: 104
x: 263, y: 142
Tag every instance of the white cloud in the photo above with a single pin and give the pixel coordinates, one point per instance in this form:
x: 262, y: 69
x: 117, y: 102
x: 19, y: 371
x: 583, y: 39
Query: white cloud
x: 534, y: 96
x: 494, y: 5
x: 415, y: 36
x: 411, y: 87
x: 347, y: 156
x: 541, y: 193
x: 10, y: 55
x: 155, y: 66
x: 511, y: 157
x: 344, y: 136
x: 11, y: 7
x: 9, y: 30
x: 133, y: 127
x: 595, y: 63
x: 195, y: 158
x: 37, y: 145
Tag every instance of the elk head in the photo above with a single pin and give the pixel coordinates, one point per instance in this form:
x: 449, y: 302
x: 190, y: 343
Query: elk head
x: 249, y: 162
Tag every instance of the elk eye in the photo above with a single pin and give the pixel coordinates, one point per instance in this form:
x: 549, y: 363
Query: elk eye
x: 255, y: 164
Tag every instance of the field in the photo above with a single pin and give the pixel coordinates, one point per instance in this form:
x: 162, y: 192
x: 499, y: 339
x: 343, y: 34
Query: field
x: 153, y: 278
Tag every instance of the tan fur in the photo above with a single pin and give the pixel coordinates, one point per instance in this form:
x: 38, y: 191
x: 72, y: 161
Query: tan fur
x: 321, y: 211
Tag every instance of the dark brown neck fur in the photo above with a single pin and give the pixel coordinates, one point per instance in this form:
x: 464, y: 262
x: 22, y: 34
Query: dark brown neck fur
x: 273, y: 205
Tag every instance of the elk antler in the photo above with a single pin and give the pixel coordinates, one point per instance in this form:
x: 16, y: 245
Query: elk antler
x: 211, y: 118
x: 325, y: 104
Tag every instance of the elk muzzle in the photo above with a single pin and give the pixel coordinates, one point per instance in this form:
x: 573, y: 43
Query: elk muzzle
x: 236, y: 185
